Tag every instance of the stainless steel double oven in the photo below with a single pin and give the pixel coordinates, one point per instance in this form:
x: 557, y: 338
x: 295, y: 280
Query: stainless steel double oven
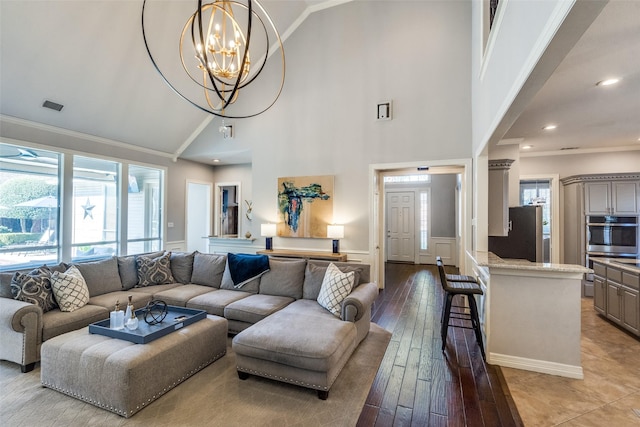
x: 613, y: 237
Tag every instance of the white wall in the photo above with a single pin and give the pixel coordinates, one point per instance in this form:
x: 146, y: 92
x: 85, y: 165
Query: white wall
x: 340, y: 63
x: 579, y: 164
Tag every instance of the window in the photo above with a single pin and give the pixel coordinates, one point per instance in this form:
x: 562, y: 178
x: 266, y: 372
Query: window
x: 29, y: 211
x: 144, y: 209
x: 95, y: 207
x: 102, y: 221
x: 538, y: 192
x: 424, y: 220
x: 405, y: 179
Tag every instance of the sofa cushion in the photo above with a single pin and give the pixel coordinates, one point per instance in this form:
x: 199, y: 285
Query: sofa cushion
x: 254, y: 308
x: 70, y: 289
x: 182, y: 266
x: 34, y: 288
x: 5, y: 285
x: 214, y: 302
x: 128, y: 271
x: 285, y: 278
x: 108, y: 301
x: 181, y: 294
x: 101, y: 276
x: 208, y: 269
x: 154, y: 270
x: 336, y: 285
x: 314, y: 275
x: 154, y: 289
x: 56, y: 322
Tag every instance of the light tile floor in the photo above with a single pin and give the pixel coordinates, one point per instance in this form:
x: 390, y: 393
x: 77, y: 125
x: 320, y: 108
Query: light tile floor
x: 609, y: 395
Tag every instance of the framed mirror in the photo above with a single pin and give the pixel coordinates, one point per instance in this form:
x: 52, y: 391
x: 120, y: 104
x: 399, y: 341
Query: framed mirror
x: 228, y: 215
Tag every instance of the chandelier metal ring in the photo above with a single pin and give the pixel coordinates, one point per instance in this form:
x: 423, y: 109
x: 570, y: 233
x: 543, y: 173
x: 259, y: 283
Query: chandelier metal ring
x: 222, y: 65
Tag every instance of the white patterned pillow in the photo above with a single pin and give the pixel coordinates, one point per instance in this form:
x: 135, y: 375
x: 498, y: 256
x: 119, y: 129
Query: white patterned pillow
x: 336, y: 285
x: 154, y: 271
x: 70, y: 289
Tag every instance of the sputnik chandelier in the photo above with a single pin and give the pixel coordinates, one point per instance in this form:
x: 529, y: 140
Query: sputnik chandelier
x: 218, y: 43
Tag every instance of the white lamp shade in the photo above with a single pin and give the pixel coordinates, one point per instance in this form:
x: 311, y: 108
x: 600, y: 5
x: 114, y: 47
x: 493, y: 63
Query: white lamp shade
x: 335, y: 231
x: 268, y: 230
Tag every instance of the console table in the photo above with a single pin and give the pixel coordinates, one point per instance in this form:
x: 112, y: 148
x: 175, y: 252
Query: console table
x: 290, y: 253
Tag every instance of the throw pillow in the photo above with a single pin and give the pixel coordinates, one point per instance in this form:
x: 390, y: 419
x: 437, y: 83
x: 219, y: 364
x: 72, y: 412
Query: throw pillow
x: 154, y: 271
x: 34, y: 289
x: 70, y: 289
x: 314, y: 275
x: 336, y: 285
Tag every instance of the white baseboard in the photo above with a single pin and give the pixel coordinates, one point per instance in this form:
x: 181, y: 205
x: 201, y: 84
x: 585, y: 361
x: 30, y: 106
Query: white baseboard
x: 542, y: 366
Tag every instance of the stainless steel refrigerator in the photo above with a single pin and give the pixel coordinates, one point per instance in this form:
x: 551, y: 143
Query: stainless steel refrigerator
x: 524, y: 240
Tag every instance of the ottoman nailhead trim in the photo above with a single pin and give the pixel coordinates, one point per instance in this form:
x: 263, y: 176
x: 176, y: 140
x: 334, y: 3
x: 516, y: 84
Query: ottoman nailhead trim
x: 141, y: 405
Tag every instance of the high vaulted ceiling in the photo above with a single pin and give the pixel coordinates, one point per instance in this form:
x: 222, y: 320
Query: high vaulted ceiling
x: 90, y: 57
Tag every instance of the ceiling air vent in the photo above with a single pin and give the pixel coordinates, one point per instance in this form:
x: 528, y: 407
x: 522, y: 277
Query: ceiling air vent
x: 569, y: 148
x: 52, y: 105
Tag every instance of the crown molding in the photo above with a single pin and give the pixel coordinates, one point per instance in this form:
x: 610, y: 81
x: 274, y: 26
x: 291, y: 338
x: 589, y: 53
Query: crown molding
x: 581, y: 151
x: 575, y: 179
x: 498, y: 164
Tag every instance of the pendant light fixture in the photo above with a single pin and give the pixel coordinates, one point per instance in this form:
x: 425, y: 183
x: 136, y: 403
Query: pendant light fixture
x: 215, y: 62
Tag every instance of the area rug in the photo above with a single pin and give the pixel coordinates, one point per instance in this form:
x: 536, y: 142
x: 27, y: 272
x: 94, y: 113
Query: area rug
x: 213, y: 397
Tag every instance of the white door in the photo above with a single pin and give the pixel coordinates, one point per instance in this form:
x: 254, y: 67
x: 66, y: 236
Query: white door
x: 198, y: 216
x: 400, y: 226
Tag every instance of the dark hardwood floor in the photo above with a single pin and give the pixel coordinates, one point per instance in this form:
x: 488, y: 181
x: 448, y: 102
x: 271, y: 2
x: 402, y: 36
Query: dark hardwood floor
x: 419, y: 385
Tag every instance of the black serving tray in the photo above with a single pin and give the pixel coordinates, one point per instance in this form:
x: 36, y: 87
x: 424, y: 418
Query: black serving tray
x: 177, y: 318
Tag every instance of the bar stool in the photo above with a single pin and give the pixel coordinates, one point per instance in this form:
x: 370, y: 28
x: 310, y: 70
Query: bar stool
x: 451, y: 289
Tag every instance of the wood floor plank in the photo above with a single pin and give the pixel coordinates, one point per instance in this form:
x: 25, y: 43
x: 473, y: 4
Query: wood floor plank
x: 419, y: 385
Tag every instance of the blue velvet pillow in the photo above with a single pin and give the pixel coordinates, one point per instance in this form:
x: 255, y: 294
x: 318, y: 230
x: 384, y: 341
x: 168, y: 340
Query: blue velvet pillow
x: 246, y: 267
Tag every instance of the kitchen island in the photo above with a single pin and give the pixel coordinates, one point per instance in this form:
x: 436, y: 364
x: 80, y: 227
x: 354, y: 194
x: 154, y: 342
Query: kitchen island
x: 530, y: 313
x: 616, y: 285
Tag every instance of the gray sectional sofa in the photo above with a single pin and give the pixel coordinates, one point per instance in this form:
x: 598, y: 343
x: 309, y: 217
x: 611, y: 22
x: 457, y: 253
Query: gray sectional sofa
x: 280, y: 304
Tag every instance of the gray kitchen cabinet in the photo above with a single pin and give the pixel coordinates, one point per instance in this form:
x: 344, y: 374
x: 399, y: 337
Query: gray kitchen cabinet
x: 616, y: 293
x: 622, y: 298
x: 499, y: 197
x: 600, y: 294
x: 611, y: 198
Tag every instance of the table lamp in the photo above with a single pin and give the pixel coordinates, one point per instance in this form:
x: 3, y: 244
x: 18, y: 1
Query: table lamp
x: 335, y: 232
x: 268, y: 231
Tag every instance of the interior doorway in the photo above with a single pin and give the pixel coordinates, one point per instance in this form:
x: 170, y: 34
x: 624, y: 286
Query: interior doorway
x: 544, y: 190
x: 198, y: 216
x: 378, y: 214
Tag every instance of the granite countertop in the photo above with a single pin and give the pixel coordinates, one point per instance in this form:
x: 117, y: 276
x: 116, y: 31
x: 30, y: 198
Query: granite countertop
x: 489, y: 259
x: 628, y: 264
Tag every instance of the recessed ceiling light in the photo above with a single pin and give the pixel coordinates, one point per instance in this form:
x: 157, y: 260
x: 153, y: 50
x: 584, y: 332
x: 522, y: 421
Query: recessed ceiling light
x: 607, y: 82
x: 550, y: 127
x: 527, y: 147
x: 216, y: 160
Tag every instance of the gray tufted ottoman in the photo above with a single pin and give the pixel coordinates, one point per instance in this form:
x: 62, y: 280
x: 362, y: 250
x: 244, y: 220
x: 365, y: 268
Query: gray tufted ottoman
x: 123, y: 377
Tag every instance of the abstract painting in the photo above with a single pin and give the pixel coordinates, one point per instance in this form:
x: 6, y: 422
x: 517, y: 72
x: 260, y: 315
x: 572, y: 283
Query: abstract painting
x: 305, y: 205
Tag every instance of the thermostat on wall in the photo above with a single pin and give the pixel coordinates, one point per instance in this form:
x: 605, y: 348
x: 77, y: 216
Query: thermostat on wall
x: 384, y: 110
